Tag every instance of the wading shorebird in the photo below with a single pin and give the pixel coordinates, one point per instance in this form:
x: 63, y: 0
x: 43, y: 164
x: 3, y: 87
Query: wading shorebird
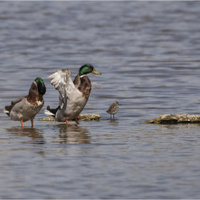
x: 113, y: 109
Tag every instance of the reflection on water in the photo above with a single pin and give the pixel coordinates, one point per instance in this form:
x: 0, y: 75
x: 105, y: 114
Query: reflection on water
x: 148, y: 53
x: 35, y: 134
x: 73, y: 134
x: 114, y: 122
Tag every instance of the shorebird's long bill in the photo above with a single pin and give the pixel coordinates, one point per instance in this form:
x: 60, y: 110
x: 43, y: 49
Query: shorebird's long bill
x: 96, y: 72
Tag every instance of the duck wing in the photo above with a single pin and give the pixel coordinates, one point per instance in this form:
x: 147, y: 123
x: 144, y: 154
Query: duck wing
x: 62, y: 82
x: 9, y: 108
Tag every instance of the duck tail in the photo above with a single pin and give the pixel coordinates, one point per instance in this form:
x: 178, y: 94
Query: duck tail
x: 50, y: 111
x: 47, y: 112
x: 7, y: 110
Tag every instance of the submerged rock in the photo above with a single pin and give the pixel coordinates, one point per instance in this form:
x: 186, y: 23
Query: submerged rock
x: 174, y: 119
x: 47, y: 118
x: 83, y: 117
x: 89, y: 117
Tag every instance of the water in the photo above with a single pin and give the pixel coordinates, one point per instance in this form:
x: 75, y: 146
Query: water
x: 148, y: 54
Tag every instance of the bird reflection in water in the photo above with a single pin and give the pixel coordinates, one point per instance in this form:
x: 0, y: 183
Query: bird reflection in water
x: 35, y: 134
x: 74, y: 135
x: 114, y: 122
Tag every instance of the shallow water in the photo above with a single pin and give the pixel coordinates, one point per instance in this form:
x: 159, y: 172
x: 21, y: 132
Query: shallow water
x: 148, y: 54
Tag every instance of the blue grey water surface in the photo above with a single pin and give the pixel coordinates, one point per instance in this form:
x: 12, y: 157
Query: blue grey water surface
x: 148, y: 54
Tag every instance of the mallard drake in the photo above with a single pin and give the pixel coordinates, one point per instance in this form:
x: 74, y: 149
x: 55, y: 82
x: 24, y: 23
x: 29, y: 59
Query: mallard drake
x: 113, y: 109
x: 25, y: 108
x: 73, y: 95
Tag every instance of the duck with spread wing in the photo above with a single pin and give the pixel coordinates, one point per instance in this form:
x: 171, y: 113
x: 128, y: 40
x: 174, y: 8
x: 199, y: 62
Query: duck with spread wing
x: 73, y: 95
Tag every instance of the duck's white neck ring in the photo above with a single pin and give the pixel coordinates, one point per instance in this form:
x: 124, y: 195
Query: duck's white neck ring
x: 83, y: 75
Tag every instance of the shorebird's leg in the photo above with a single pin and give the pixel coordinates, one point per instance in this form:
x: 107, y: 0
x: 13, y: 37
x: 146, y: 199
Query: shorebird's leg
x: 67, y: 121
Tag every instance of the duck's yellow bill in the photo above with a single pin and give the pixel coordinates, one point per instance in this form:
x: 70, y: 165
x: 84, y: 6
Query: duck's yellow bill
x: 96, y: 72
